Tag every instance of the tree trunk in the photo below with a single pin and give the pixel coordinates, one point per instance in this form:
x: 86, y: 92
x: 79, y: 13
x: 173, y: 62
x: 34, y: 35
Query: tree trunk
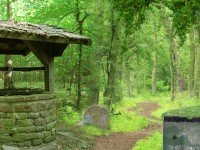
x: 172, y: 67
x: 154, y: 60
x: 80, y: 22
x: 192, y: 64
x: 128, y: 83
x: 8, y: 58
x: 94, y: 81
x: 109, y: 93
x: 154, y: 70
x: 172, y: 42
x: 79, y: 77
x: 197, y: 69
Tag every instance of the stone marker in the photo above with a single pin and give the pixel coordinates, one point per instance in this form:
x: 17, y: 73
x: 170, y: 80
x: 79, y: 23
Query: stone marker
x: 98, y: 116
x: 181, y: 130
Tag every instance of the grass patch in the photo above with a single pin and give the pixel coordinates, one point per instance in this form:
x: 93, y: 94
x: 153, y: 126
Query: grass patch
x: 125, y: 104
x: 92, y: 130
x: 153, y: 142
x: 127, y: 122
x: 182, y: 100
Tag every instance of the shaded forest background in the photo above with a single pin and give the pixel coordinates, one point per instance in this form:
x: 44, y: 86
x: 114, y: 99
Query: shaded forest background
x: 138, y: 47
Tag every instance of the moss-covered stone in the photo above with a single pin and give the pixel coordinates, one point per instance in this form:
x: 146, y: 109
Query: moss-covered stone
x: 23, y: 107
x: 7, y: 123
x: 40, y: 122
x: 27, y: 120
x: 47, y: 134
x: 40, y: 135
x: 6, y: 108
x: 24, y: 122
x: 33, y: 115
x: 188, y: 112
x: 50, y: 119
x: 37, y: 142
x: 44, y: 114
x: 24, y: 144
x: 49, y: 139
x: 51, y: 125
x: 5, y: 138
x: 20, y: 115
x: 20, y: 137
x: 28, y: 129
x: 2, y: 115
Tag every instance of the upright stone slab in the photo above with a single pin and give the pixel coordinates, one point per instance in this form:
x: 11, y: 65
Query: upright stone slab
x: 182, y: 132
x: 98, y: 116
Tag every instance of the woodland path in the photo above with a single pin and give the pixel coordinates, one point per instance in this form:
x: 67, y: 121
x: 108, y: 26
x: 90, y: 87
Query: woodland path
x: 125, y: 141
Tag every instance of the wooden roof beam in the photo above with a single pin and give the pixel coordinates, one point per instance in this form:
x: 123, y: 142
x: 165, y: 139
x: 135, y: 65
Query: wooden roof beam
x: 39, y: 51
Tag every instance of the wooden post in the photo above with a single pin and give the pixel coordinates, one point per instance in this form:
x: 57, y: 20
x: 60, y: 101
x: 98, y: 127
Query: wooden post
x: 49, y: 77
x: 47, y: 60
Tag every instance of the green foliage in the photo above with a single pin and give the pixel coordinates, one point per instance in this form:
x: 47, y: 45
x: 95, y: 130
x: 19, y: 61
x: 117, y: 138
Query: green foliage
x: 92, y: 130
x: 69, y: 116
x: 133, y: 12
x: 186, y: 15
x: 124, y: 105
x: 127, y: 122
x: 153, y: 142
x: 181, y: 101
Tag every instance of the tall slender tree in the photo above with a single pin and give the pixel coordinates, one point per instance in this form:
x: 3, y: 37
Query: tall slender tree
x: 8, y: 58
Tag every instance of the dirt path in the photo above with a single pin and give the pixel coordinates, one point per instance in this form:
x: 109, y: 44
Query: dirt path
x: 125, y: 141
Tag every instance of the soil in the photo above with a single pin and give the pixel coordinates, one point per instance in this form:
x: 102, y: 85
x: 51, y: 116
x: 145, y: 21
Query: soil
x: 125, y: 141
x: 73, y: 139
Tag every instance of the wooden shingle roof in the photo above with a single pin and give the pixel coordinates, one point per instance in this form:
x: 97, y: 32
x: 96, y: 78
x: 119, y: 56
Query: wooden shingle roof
x: 19, y: 39
x: 42, y: 33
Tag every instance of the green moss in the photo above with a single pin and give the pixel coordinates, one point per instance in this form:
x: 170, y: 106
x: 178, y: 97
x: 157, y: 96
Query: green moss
x: 189, y: 112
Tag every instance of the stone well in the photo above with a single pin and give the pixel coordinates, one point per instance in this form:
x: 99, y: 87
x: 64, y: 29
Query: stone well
x: 27, y: 120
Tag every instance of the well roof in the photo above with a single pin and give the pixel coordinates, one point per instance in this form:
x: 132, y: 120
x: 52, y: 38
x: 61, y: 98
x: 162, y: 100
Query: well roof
x: 14, y: 37
x: 43, y: 33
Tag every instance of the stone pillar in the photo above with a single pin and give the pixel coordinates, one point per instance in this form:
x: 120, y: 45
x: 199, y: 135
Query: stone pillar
x: 181, y: 133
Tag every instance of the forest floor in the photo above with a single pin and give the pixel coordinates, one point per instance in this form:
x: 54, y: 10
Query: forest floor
x: 73, y: 139
x: 125, y: 141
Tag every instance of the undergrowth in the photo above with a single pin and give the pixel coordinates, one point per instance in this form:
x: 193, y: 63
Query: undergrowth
x: 69, y: 115
x: 128, y: 120
x: 153, y: 142
x: 181, y: 101
x: 92, y: 130
x: 125, y: 121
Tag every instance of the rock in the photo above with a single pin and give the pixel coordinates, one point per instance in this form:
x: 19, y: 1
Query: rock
x: 98, y: 116
x: 49, y: 146
x: 9, y: 148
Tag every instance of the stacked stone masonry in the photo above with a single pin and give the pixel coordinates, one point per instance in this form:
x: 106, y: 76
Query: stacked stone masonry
x: 27, y: 120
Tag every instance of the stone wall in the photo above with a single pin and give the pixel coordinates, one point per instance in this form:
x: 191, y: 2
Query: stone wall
x: 27, y: 120
x: 181, y: 133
